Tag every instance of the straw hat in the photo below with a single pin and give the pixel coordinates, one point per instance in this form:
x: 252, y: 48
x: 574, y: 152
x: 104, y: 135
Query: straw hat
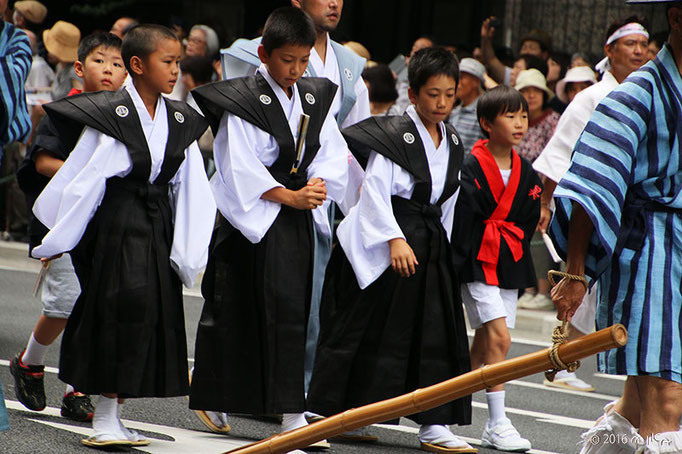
x: 577, y: 74
x: 532, y: 78
x: 33, y: 11
x: 359, y: 49
x: 62, y: 41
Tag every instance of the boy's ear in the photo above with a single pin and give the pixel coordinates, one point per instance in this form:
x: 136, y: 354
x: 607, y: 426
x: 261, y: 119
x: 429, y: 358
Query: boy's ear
x: 296, y: 3
x: 485, y: 125
x: 412, y: 95
x: 263, y: 55
x: 136, y: 65
x: 79, y: 68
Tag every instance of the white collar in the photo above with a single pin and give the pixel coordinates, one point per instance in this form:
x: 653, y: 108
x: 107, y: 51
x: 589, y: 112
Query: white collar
x: 145, y: 118
x: 279, y: 91
x: 423, y: 133
x: 330, y: 55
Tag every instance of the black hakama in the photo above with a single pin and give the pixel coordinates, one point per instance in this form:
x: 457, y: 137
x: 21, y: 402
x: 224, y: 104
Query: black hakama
x: 126, y: 334
x: 398, y: 334
x: 251, y: 337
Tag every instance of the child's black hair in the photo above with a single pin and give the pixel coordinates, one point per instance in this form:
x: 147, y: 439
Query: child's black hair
x: 381, y: 83
x: 142, y: 40
x: 431, y: 61
x: 288, y: 25
x: 200, y: 68
x: 499, y: 101
x: 93, y: 41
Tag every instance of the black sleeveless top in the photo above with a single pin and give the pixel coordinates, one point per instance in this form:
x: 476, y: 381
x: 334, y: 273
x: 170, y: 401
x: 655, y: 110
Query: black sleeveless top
x: 253, y: 100
x: 114, y: 114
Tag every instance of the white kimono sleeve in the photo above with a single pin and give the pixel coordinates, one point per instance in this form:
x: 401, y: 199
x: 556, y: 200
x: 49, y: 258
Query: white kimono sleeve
x: 364, y: 234
x: 194, y: 216
x: 555, y: 159
x: 330, y: 164
x: 241, y: 177
x: 360, y: 111
x: 71, y: 198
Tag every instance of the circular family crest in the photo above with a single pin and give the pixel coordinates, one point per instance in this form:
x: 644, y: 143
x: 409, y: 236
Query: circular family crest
x: 455, y: 140
x: 310, y: 98
x: 348, y: 74
x: 122, y: 111
x: 179, y: 117
x: 265, y: 99
x: 408, y: 137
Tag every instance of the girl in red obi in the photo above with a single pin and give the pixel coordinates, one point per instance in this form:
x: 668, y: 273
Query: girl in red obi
x: 504, y: 206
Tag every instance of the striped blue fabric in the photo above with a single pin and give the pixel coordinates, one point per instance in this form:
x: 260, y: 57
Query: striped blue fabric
x: 626, y: 173
x: 15, y: 64
x: 465, y: 121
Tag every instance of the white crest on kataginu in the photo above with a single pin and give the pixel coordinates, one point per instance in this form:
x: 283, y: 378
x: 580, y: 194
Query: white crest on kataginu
x: 122, y: 111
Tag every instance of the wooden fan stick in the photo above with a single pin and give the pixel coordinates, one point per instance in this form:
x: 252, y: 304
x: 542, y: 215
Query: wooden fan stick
x: 438, y: 394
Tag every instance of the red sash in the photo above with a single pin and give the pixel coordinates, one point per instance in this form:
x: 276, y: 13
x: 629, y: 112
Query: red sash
x: 497, y: 227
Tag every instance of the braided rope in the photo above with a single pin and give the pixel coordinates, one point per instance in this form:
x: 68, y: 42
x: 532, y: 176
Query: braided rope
x: 562, y: 275
x: 559, y: 337
x: 560, y: 334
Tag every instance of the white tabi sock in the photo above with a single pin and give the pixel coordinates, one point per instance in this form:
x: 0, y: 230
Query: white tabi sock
x: 106, y: 420
x: 440, y: 435
x: 69, y: 390
x: 495, y: 407
x: 218, y: 418
x: 291, y: 421
x: 35, y: 353
x: 129, y: 434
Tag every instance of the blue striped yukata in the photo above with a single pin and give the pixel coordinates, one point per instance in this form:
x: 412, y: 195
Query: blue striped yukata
x: 15, y: 64
x: 626, y: 173
x: 465, y: 121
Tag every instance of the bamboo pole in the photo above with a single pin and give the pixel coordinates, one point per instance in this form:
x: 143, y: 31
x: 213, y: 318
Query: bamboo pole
x: 438, y: 394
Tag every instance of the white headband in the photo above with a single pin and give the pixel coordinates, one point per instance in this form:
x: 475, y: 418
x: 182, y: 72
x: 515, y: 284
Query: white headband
x: 632, y: 28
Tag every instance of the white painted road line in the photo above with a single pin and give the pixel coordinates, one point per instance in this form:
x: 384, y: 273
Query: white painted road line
x: 51, y: 370
x: 593, y: 395
x: 471, y: 441
x: 183, y: 440
x: 544, y: 417
x: 612, y: 377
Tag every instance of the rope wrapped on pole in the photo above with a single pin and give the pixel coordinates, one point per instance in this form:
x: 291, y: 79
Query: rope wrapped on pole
x: 440, y: 393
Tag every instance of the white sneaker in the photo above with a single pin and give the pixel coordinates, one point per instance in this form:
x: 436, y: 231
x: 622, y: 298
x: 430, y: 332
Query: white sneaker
x: 522, y: 302
x: 540, y: 302
x: 503, y: 437
x: 568, y: 380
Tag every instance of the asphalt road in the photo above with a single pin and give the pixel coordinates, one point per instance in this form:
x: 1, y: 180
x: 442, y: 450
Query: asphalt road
x: 552, y: 419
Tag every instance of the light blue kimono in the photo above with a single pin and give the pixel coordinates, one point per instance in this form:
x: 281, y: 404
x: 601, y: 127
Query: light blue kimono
x: 626, y: 172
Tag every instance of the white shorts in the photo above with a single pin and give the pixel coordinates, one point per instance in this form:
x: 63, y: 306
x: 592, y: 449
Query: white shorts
x: 585, y: 317
x: 484, y: 303
x: 60, y: 289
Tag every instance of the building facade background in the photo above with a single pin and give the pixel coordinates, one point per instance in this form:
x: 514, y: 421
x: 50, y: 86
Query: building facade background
x: 385, y: 27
